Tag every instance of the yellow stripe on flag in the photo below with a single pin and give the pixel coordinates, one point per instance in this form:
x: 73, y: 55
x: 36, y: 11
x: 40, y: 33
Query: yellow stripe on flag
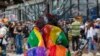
x: 55, y: 32
x: 39, y: 36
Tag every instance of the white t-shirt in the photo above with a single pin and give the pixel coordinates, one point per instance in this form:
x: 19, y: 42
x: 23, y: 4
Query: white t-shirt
x: 3, y: 31
x: 90, y: 33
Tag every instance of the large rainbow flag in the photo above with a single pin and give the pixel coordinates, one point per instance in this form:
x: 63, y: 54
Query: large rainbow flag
x: 35, y: 38
x: 51, y: 41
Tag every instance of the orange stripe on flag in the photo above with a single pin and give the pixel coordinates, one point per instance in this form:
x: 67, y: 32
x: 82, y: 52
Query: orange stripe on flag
x: 60, y: 50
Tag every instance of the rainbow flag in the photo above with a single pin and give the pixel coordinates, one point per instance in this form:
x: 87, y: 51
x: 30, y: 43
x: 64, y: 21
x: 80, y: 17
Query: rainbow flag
x: 53, y: 35
x: 35, y: 38
x: 54, y: 39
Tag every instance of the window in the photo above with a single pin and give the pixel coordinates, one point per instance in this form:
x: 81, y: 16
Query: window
x: 99, y: 7
x: 83, y: 7
x: 75, y: 10
x: 92, y: 4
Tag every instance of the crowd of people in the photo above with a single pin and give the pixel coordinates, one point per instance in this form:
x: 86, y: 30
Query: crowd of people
x: 13, y: 35
x: 82, y: 32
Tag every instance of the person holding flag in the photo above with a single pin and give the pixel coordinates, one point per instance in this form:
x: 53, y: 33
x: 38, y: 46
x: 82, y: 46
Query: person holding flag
x: 48, y: 39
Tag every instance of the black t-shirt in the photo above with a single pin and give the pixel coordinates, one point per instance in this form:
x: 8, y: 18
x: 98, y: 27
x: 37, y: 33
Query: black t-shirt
x: 19, y: 29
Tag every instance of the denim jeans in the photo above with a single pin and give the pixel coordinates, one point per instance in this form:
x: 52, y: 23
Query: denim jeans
x: 91, y: 45
x: 18, y: 43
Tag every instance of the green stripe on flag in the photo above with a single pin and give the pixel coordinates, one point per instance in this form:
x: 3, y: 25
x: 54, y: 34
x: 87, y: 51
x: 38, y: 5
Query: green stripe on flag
x: 62, y: 39
x: 32, y: 39
x: 68, y: 53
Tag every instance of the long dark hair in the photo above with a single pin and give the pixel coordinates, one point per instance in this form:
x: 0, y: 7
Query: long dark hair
x: 91, y: 24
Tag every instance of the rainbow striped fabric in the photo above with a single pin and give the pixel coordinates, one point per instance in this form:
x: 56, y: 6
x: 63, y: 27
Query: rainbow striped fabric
x: 35, y: 38
x: 58, y: 50
x: 53, y: 35
x: 36, y: 51
x: 51, y: 41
